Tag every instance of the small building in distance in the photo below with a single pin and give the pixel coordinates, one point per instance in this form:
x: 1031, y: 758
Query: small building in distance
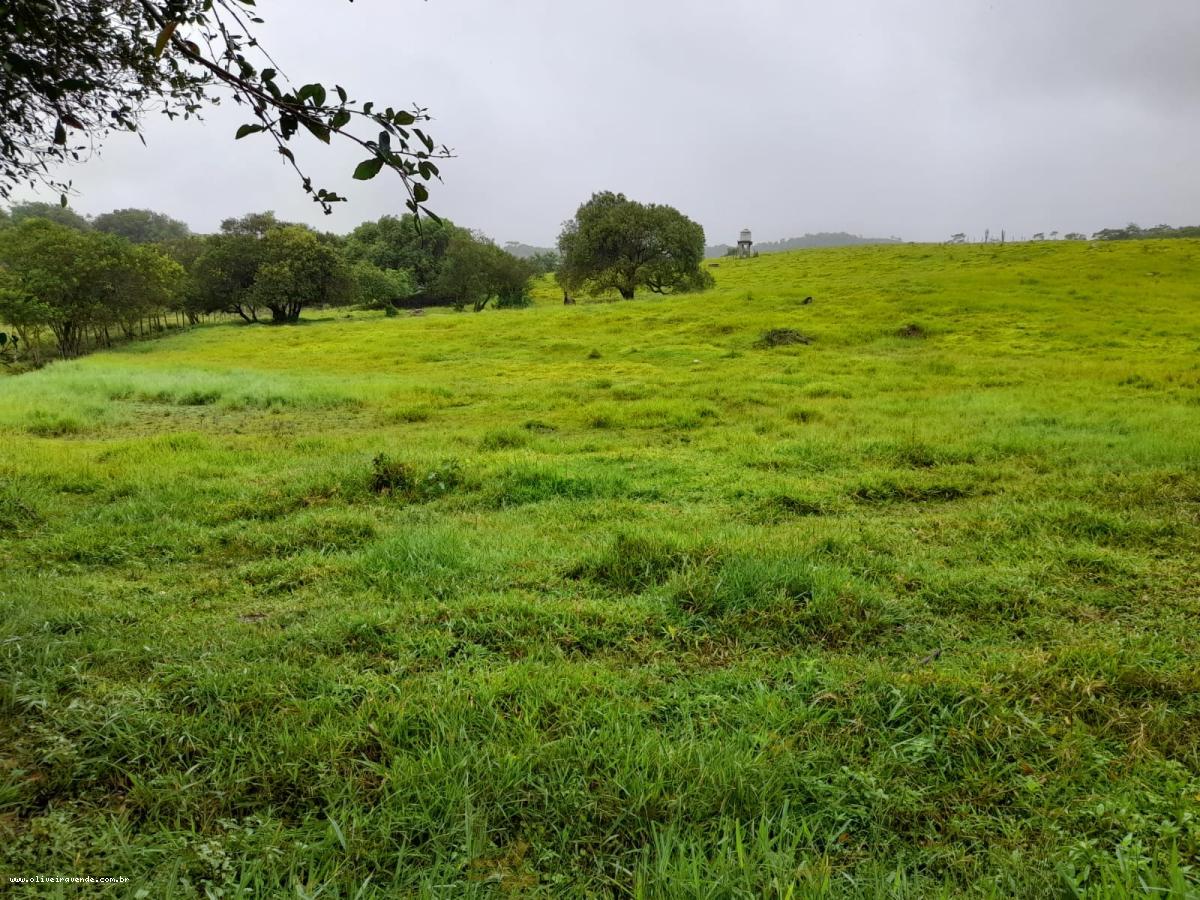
x: 744, y: 244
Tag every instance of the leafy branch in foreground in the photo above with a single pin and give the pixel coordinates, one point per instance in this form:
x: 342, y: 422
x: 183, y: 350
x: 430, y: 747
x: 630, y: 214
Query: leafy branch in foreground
x: 76, y: 70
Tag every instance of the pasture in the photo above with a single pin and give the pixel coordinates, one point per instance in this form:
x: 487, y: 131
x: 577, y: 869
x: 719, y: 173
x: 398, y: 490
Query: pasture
x: 622, y: 599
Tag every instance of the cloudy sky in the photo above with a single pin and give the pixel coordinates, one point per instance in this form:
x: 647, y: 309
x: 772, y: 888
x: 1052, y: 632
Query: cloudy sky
x: 915, y: 118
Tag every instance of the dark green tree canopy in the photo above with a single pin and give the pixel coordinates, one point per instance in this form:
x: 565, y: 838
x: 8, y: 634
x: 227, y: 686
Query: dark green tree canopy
x: 258, y: 263
x: 1133, y: 232
x: 71, y: 71
x: 53, y: 212
x: 402, y: 243
x: 70, y: 281
x: 614, y: 243
x: 141, y: 226
x: 475, y: 272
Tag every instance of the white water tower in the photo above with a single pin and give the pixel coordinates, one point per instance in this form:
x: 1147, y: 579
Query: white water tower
x: 744, y: 243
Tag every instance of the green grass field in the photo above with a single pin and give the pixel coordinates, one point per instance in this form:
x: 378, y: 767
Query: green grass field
x: 632, y: 604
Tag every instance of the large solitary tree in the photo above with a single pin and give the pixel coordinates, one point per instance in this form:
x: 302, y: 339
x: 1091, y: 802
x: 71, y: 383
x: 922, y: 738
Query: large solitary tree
x: 72, y: 71
x: 614, y: 243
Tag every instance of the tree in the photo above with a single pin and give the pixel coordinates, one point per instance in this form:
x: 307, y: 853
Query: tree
x: 186, y: 251
x: 475, y: 272
x: 463, y: 280
x: 959, y: 238
x: 52, y: 264
x: 614, y: 243
x: 224, y: 273
x: 52, y: 212
x: 253, y: 224
x: 544, y: 262
x: 257, y: 263
x: 75, y: 70
x: 401, y: 243
x: 73, y: 282
x: 1074, y: 236
x: 378, y: 288
x: 137, y: 282
x: 297, y: 269
x: 25, y: 315
x: 1133, y: 232
x: 140, y: 226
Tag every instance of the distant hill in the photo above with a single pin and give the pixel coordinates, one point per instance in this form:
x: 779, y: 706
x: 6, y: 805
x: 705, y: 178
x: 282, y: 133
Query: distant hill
x: 525, y: 251
x: 820, y: 239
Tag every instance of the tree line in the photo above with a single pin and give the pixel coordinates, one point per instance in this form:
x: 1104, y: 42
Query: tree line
x: 86, y: 282
x: 1133, y: 232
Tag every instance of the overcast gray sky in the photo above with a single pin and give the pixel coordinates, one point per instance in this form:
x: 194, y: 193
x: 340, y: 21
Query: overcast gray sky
x: 882, y: 117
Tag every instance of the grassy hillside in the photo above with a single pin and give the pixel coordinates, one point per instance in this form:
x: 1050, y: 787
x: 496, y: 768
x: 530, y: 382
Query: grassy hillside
x: 617, y: 599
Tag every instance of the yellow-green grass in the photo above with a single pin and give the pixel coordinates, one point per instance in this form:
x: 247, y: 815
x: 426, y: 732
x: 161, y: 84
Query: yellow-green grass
x: 634, y: 605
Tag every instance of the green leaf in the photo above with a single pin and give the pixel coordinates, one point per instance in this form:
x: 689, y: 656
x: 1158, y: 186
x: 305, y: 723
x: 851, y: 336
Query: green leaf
x: 368, y: 168
x: 340, y: 119
x: 246, y: 129
x: 420, y: 193
x: 316, y: 129
x: 314, y: 91
x: 341, y: 92
x: 400, y: 117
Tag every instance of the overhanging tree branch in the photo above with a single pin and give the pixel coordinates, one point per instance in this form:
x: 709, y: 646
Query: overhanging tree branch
x: 94, y: 66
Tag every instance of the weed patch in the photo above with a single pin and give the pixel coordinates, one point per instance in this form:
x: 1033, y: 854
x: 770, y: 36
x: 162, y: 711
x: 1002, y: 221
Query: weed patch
x: 405, y: 481
x: 781, y: 337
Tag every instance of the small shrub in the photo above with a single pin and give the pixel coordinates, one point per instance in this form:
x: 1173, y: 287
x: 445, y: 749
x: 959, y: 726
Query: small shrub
x: 781, y: 337
x: 913, y: 331
x: 398, y: 479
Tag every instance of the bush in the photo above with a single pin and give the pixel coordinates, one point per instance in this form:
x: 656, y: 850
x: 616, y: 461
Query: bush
x: 399, y: 479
